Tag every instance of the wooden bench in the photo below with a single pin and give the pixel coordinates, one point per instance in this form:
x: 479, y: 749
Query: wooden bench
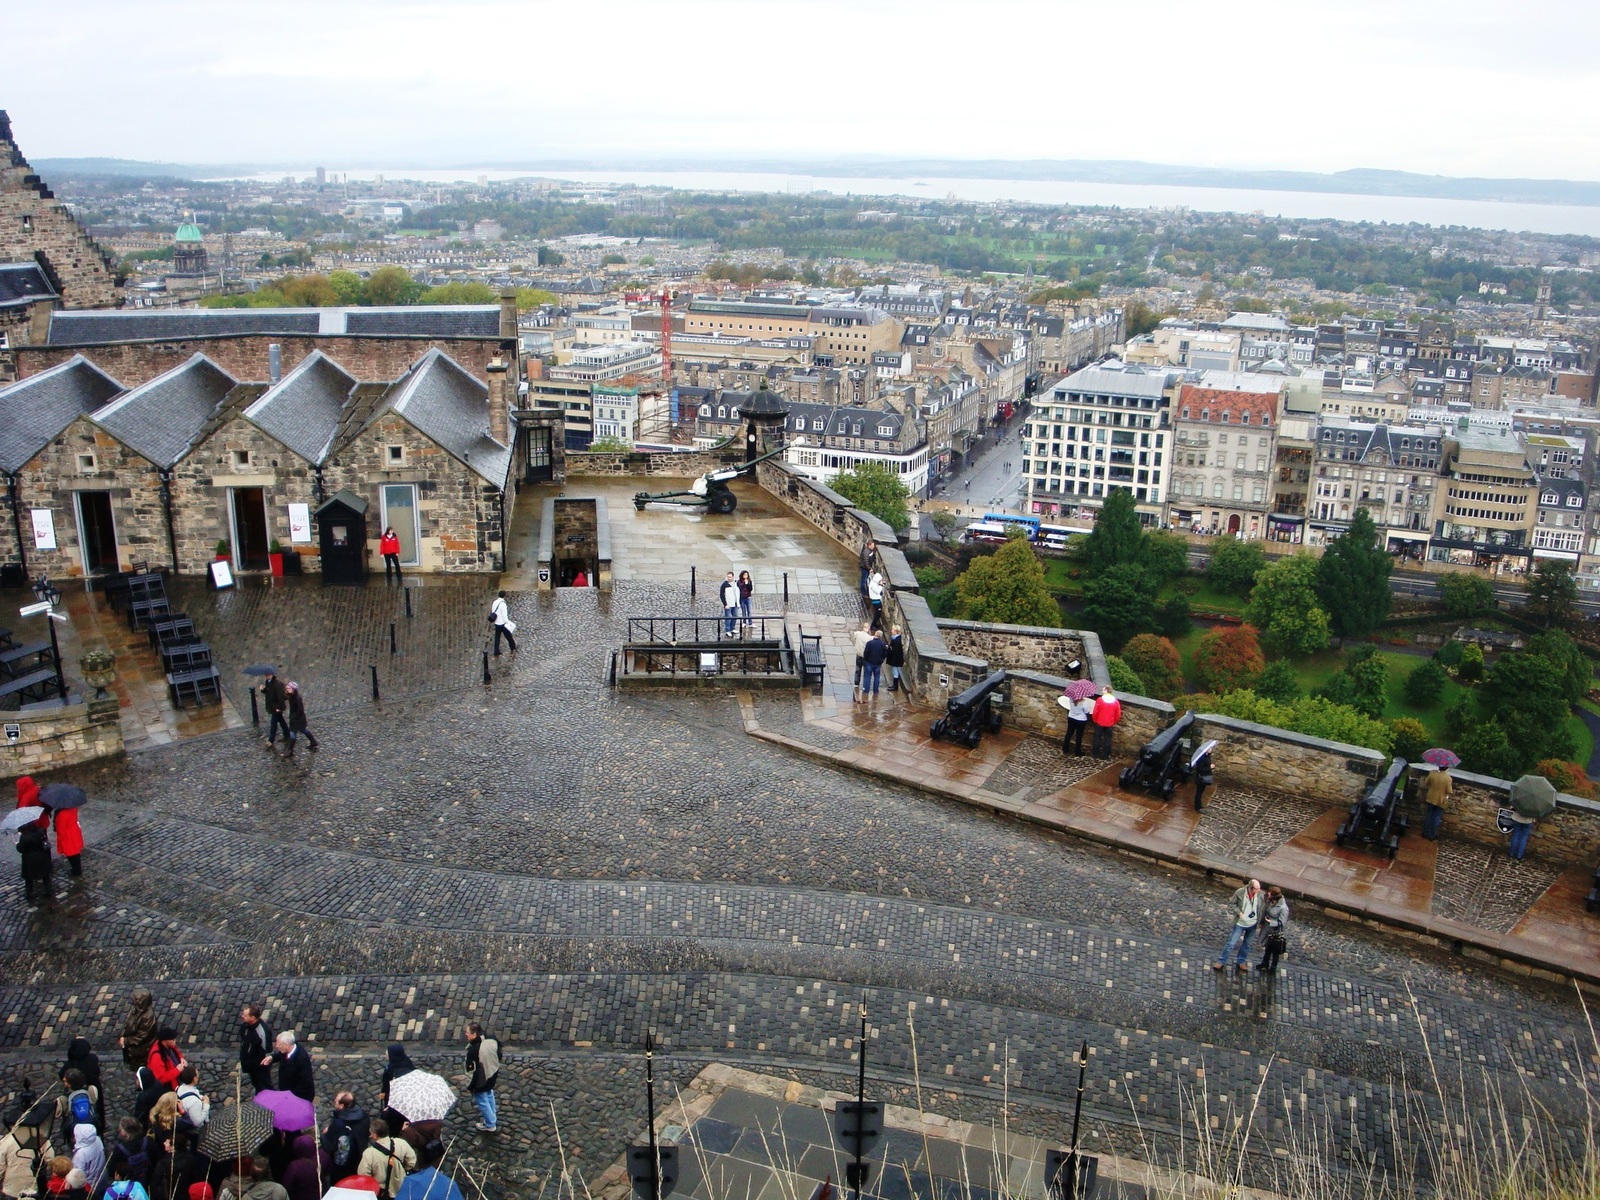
x: 15, y: 660
x: 142, y: 612
x: 5, y: 639
x: 171, y: 631
x: 194, y: 685
x: 185, y: 656
x: 33, y: 686
x: 812, y: 663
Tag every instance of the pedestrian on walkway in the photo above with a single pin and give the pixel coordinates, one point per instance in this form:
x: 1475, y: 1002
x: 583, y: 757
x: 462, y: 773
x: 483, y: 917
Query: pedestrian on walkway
x: 255, y: 1046
x: 1275, y: 916
x: 747, y: 590
x: 430, y: 1183
x: 28, y: 796
x: 82, y: 1059
x: 297, y: 716
x: 859, y: 640
x: 277, y: 702
x: 139, y: 1030
x: 1107, y: 712
x: 1203, y: 778
x: 308, y: 1167
x: 165, y: 1059
x: 897, y: 657
x: 24, y: 1150
x: 1521, y: 831
x: 504, y: 626
x: 88, y: 1153
x: 1079, y: 712
x: 728, y: 596
x: 483, y: 1060
x: 345, y: 1139
x: 294, y: 1067
x: 1246, y: 908
x: 386, y: 1159
x: 399, y: 1064
x: 35, y: 851
x: 1436, y: 794
x: 868, y: 563
x: 875, y: 598
x: 196, y: 1105
x: 389, y: 547
x: 69, y: 839
x: 873, y: 656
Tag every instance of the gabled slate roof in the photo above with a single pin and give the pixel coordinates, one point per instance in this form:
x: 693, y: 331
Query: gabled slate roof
x: 445, y: 402
x: 23, y: 283
x: 36, y: 410
x: 89, y: 328
x: 441, y: 320
x: 303, y: 409
x: 163, y: 418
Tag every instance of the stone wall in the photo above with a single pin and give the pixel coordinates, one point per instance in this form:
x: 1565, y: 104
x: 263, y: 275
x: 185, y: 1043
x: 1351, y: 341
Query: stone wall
x: 59, y: 737
x: 1570, y: 835
x: 665, y: 465
x: 1259, y: 756
x: 1018, y: 647
x: 1034, y: 709
x: 371, y: 359
x: 35, y: 226
x: 201, y: 481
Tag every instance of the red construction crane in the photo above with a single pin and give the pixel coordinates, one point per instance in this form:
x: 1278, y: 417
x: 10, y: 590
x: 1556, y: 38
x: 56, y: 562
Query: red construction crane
x: 666, y: 336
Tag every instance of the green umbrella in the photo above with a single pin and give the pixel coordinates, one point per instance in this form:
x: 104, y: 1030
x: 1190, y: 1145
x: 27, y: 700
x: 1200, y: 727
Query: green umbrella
x: 1533, y: 796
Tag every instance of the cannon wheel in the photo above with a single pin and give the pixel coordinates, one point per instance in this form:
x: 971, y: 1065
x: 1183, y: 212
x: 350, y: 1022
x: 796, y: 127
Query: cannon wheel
x: 974, y: 737
x: 938, y: 729
x: 1124, y: 778
x: 994, y: 722
x: 723, y: 502
x: 1167, y: 789
x: 1340, y: 834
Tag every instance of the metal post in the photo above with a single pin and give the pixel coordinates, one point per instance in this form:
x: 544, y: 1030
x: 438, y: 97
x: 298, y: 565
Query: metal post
x: 691, y: 579
x: 374, y: 681
x: 650, y: 1110
x: 55, y: 652
x: 255, y: 711
x: 408, y: 599
x: 613, y: 668
x: 486, y: 676
x: 786, y: 587
x: 391, y: 637
x: 858, y: 1174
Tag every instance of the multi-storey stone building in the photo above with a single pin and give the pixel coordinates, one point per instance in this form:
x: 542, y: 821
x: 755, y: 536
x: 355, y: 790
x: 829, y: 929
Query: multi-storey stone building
x: 1224, y: 447
x: 1392, y: 471
x: 1486, y: 505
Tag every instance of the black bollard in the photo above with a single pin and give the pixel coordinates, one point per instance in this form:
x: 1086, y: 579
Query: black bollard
x: 486, y: 676
x: 374, y: 682
x: 408, y: 602
x: 613, y: 668
x: 391, y: 637
x: 786, y: 587
x: 255, y: 712
x: 691, y: 581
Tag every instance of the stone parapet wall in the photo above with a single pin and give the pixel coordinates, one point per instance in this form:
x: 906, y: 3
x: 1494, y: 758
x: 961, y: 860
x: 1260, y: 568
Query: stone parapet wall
x: 1018, y: 647
x: 1570, y: 835
x: 933, y: 672
x: 1034, y: 709
x: 665, y: 465
x: 371, y: 359
x: 1259, y: 756
x: 59, y: 737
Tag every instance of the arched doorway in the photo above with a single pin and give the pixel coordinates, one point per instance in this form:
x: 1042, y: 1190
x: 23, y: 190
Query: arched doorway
x: 1233, y: 523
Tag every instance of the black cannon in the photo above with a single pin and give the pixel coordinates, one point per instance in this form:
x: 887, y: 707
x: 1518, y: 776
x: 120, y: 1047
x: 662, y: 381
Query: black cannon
x: 970, y: 714
x: 711, y: 490
x: 1375, y: 819
x: 1163, y: 762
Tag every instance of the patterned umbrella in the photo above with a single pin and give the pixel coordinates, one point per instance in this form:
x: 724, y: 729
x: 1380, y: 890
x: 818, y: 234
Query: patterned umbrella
x: 19, y: 817
x: 236, y: 1130
x: 289, y: 1112
x: 421, y: 1096
x: 1441, y: 758
x: 1080, y: 689
x: 1533, y: 796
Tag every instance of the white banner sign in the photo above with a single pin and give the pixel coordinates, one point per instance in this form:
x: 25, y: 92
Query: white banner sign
x: 300, y: 523
x: 44, y: 529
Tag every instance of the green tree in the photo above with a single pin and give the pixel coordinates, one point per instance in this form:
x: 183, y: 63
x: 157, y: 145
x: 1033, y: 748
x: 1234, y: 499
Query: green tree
x: 1465, y: 595
x: 1410, y: 738
x: 1117, y: 537
x: 307, y: 291
x: 1312, y: 715
x: 1526, y: 696
x: 1124, y: 678
x: 1139, y: 318
x: 873, y: 487
x: 1552, y: 592
x: 610, y: 445
x: 946, y: 524
x: 549, y: 257
x: 532, y: 298
x: 1484, y: 747
x: 1229, y: 658
x: 1118, y: 603
x: 1234, y: 564
x: 1353, y: 579
x: 1577, y: 672
x: 1007, y: 588
x: 348, y: 287
x: 1284, y: 607
x: 1362, y: 685
x: 1172, y: 617
x: 1425, y: 685
x: 1277, y: 682
x: 394, y: 285
x: 1157, y: 662
x: 1164, y: 555
x: 613, y: 260
x: 459, y: 291
x: 1470, y: 668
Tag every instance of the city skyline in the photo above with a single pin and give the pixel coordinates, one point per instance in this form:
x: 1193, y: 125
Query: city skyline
x: 1419, y: 87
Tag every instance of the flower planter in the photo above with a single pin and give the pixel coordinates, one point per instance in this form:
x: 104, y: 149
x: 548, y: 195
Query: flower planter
x: 276, y: 560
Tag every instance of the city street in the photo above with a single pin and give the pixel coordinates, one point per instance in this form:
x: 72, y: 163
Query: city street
x: 577, y: 867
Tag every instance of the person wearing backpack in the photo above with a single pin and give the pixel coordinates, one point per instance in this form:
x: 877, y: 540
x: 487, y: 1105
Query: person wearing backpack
x: 25, y: 1152
x: 123, y: 1186
x: 77, y: 1107
x: 150, y: 1089
x: 196, y: 1106
x: 130, y: 1153
x: 82, y: 1058
x: 387, y: 1159
x: 345, y: 1139
x: 483, y: 1060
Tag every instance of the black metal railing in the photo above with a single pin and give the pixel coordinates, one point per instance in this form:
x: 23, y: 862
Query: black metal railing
x: 674, y: 631
x: 652, y: 650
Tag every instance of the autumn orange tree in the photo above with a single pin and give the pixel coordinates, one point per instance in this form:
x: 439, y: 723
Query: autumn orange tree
x: 1230, y: 658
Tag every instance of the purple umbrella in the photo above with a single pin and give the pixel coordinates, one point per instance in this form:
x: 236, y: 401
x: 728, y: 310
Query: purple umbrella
x: 1080, y: 689
x: 289, y: 1113
x: 1441, y: 758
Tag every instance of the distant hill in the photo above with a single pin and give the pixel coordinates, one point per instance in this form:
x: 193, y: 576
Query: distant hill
x: 60, y: 168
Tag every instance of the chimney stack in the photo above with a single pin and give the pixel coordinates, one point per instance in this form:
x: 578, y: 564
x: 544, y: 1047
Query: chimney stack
x: 508, y: 313
x: 274, y: 362
x: 499, y: 404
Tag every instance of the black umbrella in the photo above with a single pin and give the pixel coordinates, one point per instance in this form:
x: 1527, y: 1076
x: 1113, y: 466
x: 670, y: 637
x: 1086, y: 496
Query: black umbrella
x: 62, y: 795
x: 261, y: 669
x: 236, y: 1130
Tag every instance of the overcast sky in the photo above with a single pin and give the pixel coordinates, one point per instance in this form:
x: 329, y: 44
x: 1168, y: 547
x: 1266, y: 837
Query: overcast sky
x: 1463, y: 87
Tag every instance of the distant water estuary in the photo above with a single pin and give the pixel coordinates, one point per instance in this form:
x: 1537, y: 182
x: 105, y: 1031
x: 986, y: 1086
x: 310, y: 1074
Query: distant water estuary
x: 1400, y: 210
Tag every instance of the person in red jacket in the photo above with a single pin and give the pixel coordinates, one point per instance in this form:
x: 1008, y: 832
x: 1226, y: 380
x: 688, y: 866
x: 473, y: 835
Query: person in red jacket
x: 28, y: 797
x: 389, y: 547
x: 69, y: 838
x: 1107, y: 712
x: 166, y: 1060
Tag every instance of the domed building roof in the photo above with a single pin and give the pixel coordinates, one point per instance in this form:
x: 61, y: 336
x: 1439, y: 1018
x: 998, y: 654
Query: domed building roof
x: 189, y: 231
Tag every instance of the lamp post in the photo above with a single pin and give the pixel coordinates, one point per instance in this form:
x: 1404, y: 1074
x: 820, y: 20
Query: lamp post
x: 50, y: 595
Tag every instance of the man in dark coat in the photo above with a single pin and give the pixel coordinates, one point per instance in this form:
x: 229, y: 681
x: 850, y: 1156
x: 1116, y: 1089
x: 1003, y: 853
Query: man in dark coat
x: 255, y: 1046
x: 277, y: 701
x: 345, y: 1139
x: 294, y: 1067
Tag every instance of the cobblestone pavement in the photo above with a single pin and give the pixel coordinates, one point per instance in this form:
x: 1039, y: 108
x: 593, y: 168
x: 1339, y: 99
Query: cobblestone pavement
x: 575, y: 866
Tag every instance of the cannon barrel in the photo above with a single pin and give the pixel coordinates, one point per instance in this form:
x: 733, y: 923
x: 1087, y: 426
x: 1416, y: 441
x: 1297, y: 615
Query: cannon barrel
x: 1380, y: 794
x: 975, y: 694
x: 1165, y: 742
